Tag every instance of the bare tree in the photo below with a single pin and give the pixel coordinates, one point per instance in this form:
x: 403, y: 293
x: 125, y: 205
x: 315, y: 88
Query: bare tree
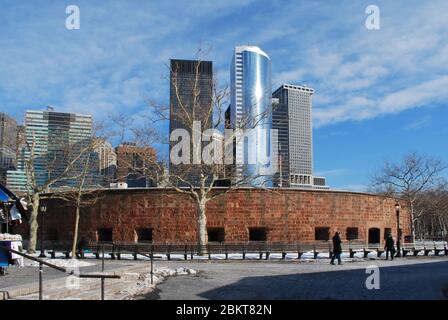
x: 432, y: 207
x: 62, y: 166
x: 409, y: 179
x: 197, y: 180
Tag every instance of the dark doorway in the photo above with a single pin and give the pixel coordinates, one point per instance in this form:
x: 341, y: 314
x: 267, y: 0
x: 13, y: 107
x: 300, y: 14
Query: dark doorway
x: 374, y: 235
x: 216, y: 234
x: 322, y: 233
x: 105, y: 234
x: 144, y: 234
x: 257, y: 234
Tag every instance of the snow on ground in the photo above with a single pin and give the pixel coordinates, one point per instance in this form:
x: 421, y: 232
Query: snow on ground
x: 64, y: 263
x: 143, y: 284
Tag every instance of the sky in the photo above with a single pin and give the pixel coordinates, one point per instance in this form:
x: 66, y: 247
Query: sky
x: 379, y: 94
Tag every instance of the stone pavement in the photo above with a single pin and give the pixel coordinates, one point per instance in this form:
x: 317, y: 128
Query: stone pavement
x: 421, y: 278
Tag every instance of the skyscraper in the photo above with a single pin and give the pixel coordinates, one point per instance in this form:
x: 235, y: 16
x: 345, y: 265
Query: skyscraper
x: 8, y: 145
x: 293, y: 119
x: 250, y: 79
x: 191, y: 93
x: 57, y: 138
x: 107, y: 161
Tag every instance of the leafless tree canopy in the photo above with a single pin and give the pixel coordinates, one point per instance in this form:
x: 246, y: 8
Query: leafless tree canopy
x: 416, y: 179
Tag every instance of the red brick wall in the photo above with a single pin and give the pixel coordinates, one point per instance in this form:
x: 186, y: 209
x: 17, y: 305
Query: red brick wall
x: 288, y: 215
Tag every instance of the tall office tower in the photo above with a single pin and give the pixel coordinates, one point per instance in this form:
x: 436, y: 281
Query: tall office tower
x: 56, y: 139
x: 280, y: 122
x: 136, y: 165
x: 250, y: 80
x: 107, y: 159
x: 191, y: 93
x: 293, y: 120
x: 8, y: 145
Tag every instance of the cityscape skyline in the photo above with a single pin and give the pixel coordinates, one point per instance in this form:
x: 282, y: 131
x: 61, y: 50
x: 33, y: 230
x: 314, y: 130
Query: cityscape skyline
x: 381, y: 104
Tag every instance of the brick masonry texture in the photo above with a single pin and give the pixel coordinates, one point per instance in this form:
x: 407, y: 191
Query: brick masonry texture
x: 289, y: 216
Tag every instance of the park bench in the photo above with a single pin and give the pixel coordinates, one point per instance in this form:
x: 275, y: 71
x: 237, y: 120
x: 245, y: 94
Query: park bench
x: 279, y: 248
x: 355, y: 246
x: 417, y: 248
x: 406, y: 248
x: 322, y: 246
x: 439, y: 246
x: 374, y: 247
x: 60, y: 246
x: 177, y: 249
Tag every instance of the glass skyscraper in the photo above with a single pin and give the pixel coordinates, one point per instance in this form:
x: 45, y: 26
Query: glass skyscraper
x: 250, y: 109
x: 56, y: 137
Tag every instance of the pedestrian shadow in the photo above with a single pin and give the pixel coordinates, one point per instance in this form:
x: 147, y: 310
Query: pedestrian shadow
x: 418, y: 281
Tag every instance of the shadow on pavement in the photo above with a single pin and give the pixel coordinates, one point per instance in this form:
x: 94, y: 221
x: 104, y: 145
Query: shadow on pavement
x: 418, y: 281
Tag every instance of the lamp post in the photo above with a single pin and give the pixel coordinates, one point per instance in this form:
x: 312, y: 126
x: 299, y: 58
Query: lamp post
x: 43, y: 209
x: 397, y: 210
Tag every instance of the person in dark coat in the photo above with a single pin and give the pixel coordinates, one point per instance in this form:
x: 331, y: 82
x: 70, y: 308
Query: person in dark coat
x: 337, y: 248
x: 389, y: 247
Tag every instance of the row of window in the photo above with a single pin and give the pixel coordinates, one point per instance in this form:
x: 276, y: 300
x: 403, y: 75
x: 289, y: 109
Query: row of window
x: 218, y: 234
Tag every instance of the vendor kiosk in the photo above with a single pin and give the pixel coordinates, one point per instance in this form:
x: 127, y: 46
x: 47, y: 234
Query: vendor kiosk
x: 11, y: 208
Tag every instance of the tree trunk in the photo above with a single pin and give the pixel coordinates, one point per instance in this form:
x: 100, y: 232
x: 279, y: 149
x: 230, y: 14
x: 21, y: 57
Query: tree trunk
x: 413, y: 220
x: 202, y: 226
x: 34, y: 226
x: 75, y: 234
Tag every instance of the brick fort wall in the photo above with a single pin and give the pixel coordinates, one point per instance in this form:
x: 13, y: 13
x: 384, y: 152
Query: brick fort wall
x: 284, y: 215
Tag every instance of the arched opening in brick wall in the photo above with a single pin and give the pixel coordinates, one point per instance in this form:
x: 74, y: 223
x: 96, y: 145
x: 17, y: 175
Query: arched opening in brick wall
x: 374, y: 235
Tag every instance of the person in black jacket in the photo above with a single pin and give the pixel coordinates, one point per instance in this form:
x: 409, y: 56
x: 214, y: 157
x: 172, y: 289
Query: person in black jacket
x: 337, y: 248
x: 389, y: 247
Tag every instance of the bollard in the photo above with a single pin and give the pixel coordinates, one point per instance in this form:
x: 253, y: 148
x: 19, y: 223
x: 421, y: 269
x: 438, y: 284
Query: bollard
x: 152, y: 268
x: 102, y: 288
x: 41, y: 271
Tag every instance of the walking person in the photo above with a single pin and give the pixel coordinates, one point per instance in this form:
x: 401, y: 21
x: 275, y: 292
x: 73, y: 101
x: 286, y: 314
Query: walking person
x: 337, y: 248
x: 389, y: 247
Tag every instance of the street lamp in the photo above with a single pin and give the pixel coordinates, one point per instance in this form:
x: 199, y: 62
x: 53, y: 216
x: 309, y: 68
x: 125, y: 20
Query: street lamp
x: 397, y: 210
x: 43, y: 209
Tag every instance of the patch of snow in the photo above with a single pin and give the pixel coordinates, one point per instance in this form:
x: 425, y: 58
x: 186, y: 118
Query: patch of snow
x: 64, y: 263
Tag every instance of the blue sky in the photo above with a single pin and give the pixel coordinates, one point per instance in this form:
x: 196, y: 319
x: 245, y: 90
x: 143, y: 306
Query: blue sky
x: 379, y: 93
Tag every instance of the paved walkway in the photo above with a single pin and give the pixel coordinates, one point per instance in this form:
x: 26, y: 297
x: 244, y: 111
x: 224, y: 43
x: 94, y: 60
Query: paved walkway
x: 421, y: 278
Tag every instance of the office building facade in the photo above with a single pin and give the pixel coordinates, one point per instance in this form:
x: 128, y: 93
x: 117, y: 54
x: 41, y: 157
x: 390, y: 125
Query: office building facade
x: 293, y: 119
x: 52, y: 140
x: 250, y: 80
x: 8, y: 145
x: 191, y: 94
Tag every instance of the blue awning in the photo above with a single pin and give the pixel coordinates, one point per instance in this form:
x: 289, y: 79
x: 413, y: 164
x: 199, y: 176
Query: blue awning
x: 6, y: 195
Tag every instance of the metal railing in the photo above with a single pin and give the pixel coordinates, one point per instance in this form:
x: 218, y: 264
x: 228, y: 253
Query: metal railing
x: 64, y: 270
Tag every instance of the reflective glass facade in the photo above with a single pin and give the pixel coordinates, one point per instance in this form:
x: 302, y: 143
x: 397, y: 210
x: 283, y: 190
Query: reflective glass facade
x: 250, y: 108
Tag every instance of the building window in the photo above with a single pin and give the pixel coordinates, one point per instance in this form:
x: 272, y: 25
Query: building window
x: 322, y: 233
x: 216, y: 234
x: 257, y: 234
x: 104, y: 234
x: 352, y: 233
x: 144, y: 234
